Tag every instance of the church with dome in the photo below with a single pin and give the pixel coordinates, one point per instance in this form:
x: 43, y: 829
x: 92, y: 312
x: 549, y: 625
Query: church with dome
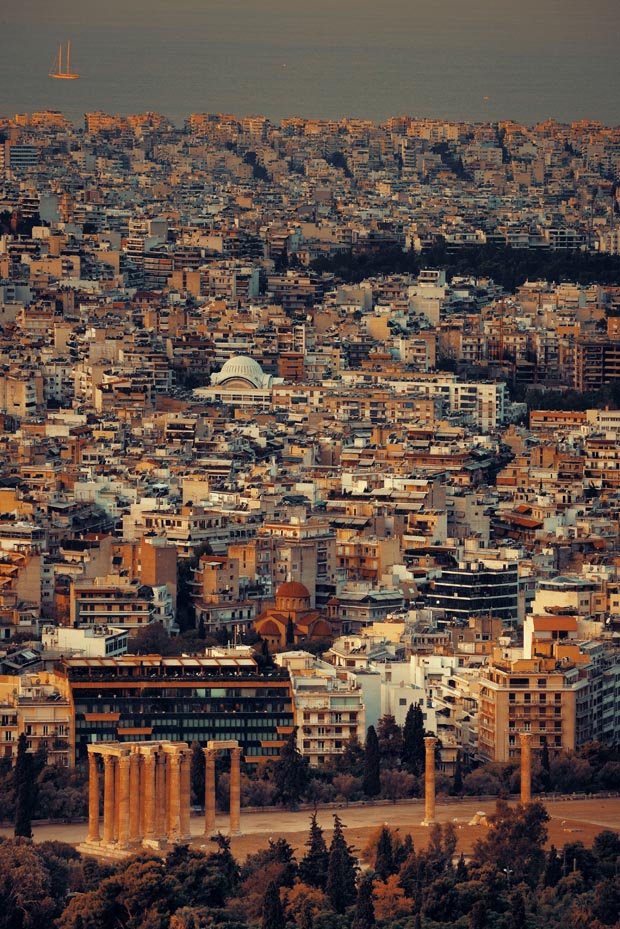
x: 240, y: 382
x: 292, y: 620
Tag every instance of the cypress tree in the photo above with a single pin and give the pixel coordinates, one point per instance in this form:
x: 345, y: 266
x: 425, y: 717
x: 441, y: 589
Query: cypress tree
x: 413, y: 740
x: 273, y: 911
x: 372, y: 776
x: 24, y: 790
x: 402, y: 852
x: 290, y: 631
x: 553, y: 868
x: 364, y: 909
x: 291, y: 772
x: 313, y: 866
x: 341, y: 869
x: 461, y: 873
x: 384, y: 859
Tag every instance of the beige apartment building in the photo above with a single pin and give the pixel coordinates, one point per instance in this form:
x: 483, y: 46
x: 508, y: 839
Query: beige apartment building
x: 31, y: 705
x: 547, y: 697
x: 329, y: 706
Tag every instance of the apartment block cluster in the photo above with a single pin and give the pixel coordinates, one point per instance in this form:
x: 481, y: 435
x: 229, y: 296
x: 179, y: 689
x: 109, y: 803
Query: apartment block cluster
x: 183, y: 393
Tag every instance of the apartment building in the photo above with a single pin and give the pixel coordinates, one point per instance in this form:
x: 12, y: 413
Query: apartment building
x: 220, y: 696
x: 547, y: 697
x: 484, y: 583
x: 31, y: 705
x: 329, y: 706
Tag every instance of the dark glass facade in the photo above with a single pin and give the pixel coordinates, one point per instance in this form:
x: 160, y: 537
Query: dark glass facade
x: 131, y: 699
x: 476, y: 591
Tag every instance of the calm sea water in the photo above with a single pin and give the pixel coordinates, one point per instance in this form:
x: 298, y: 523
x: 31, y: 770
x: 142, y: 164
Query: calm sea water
x: 453, y: 59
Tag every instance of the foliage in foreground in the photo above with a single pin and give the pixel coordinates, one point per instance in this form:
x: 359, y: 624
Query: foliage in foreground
x: 511, y: 881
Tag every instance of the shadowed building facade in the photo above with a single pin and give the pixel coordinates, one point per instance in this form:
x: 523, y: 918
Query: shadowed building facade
x: 148, y: 698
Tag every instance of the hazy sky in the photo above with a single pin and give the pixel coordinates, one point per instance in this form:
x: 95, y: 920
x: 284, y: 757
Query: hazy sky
x: 445, y: 54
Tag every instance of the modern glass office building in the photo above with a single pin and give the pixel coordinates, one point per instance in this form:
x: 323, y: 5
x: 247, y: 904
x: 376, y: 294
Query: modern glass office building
x: 150, y: 697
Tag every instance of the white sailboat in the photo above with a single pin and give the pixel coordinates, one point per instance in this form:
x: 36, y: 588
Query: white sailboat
x: 66, y: 74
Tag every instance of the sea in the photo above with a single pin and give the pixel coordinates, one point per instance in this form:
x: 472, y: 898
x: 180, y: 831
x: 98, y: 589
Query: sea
x: 472, y: 60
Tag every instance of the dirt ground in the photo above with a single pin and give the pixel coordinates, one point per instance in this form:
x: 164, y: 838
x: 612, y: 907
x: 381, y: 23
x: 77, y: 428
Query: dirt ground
x: 577, y: 820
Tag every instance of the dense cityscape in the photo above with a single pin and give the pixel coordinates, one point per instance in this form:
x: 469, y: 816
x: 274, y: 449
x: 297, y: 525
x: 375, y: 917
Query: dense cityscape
x: 310, y: 447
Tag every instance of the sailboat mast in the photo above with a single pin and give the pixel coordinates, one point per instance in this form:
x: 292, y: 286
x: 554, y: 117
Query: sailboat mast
x: 68, y: 68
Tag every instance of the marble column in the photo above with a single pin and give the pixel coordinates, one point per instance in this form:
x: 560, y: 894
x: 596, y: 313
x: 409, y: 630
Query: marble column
x: 429, y: 780
x: 135, y: 793
x: 235, y: 790
x: 186, y: 761
x: 161, y: 811
x: 209, y: 791
x: 123, y: 801
x: 117, y: 793
x: 109, y: 802
x: 149, y: 797
x: 525, y: 739
x: 173, y: 763
x: 93, y: 798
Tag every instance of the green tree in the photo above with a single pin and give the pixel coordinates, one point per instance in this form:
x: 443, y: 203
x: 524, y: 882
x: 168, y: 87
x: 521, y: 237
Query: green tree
x: 273, y: 911
x: 606, y: 847
x: 413, y: 740
x: 290, y: 772
x: 553, y: 868
x: 24, y: 790
x: 341, y: 870
x: 313, y: 866
x: 390, y: 738
x: 364, y: 909
x: 384, y: 859
x: 514, y: 842
x: 197, y: 774
x: 372, y: 767
x: 26, y: 887
x: 290, y: 631
x: 517, y: 918
x: 153, y: 639
x: 351, y: 761
x: 395, y: 784
x: 478, y: 916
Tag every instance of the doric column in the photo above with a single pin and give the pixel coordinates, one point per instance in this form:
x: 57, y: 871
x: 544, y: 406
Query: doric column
x: 123, y: 801
x: 235, y: 790
x: 108, y: 798
x: 161, y: 810
x: 135, y: 795
x: 525, y: 739
x: 186, y: 761
x: 174, y: 795
x: 149, y: 796
x: 209, y: 790
x: 93, y: 798
x: 429, y: 780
